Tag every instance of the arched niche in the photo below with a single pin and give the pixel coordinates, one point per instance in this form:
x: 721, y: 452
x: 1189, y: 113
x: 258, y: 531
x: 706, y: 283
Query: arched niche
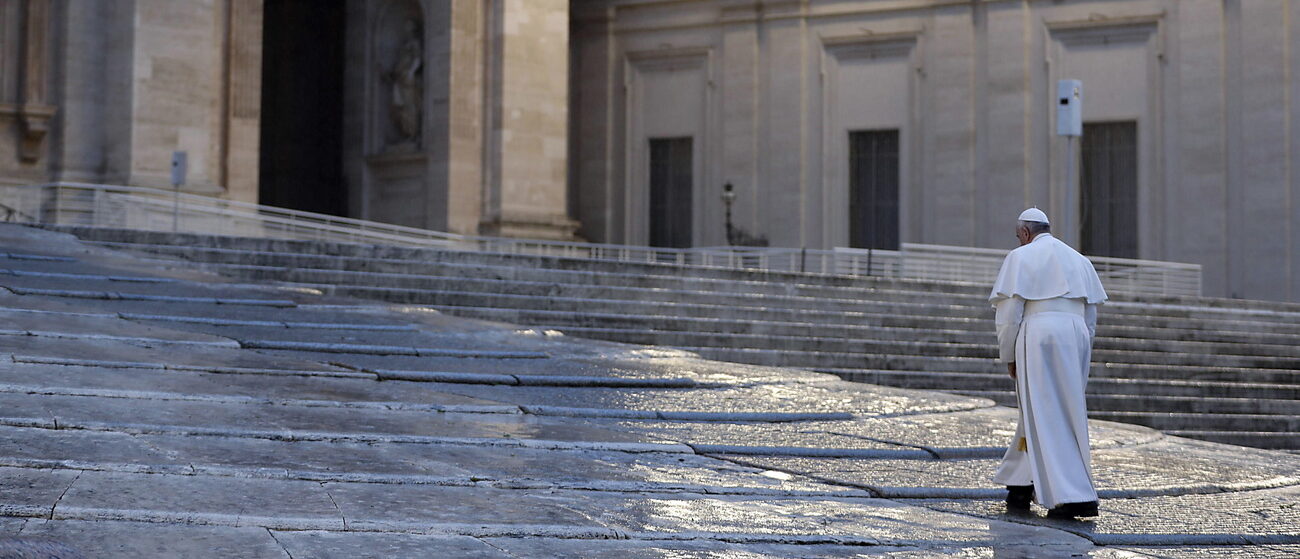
x: 398, y: 67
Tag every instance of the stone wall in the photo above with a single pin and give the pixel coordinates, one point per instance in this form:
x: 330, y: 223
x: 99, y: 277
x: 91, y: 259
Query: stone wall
x: 528, y: 117
x: 769, y: 90
x: 123, y: 84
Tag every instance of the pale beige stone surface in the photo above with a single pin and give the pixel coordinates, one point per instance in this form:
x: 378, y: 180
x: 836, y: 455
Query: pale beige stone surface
x: 537, y: 114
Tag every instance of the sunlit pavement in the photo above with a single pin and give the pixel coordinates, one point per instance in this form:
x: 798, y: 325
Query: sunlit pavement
x: 156, y: 411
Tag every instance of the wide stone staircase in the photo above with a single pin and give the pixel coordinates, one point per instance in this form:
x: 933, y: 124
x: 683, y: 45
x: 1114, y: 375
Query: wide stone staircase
x: 1212, y: 369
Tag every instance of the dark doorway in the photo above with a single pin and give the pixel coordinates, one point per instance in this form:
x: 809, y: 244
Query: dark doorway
x: 873, y: 189
x: 1108, y: 184
x: 670, y: 192
x: 300, y: 163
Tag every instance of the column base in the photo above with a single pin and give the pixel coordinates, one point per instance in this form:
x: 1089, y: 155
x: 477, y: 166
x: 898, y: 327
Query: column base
x: 551, y: 228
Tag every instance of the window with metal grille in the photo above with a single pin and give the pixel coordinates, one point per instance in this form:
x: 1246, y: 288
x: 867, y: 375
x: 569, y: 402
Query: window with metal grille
x: 873, y: 189
x: 1108, y: 186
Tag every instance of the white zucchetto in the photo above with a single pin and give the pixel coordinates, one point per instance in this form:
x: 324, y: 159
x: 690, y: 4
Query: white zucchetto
x: 1034, y: 214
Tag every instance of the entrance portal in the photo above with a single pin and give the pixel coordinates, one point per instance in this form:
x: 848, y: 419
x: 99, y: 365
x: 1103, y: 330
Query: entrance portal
x: 301, y: 153
x: 873, y: 189
x: 1108, y: 181
x: 670, y: 192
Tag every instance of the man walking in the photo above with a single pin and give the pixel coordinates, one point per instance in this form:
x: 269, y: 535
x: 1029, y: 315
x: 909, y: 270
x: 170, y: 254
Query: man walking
x: 1046, y: 297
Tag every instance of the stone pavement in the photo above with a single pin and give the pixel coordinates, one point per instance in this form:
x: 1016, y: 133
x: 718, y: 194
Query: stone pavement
x: 148, y: 411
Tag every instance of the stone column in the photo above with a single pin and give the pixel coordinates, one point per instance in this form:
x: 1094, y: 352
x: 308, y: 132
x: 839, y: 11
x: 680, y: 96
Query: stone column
x: 525, y: 167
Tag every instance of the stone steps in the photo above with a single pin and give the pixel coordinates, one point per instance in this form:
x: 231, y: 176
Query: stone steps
x: 1164, y: 404
x: 346, y: 270
x: 650, y: 287
x: 876, y: 326
x: 191, y: 243
x: 1268, y: 350
x: 183, y: 245
x: 1165, y: 360
x: 849, y: 339
x: 1260, y: 439
x: 931, y: 314
x: 942, y: 357
x: 910, y: 314
x: 998, y: 382
x: 1204, y: 421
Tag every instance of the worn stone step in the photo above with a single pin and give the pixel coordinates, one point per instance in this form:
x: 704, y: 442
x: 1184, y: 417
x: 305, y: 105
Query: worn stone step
x: 961, y: 358
x: 754, y: 295
x: 1196, y: 373
x: 1203, y: 421
x: 1193, y: 405
x: 608, y: 316
x: 1108, y: 351
x: 1197, y: 389
x: 829, y: 361
x: 1193, y: 427
x: 580, y: 305
x: 529, y: 310
x: 888, y: 327
x: 271, y: 421
x: 880, y: 325
x: 998, y: 381
x: 786, y: 343
x: 74, y: 288
x: 1289, y: 440
x: 915, y: 340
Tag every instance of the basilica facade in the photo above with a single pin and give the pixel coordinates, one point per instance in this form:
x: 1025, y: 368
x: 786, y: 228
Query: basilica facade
x: 807, y: 123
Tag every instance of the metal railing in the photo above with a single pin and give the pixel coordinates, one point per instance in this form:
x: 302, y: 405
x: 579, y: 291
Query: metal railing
x: 152, y: 209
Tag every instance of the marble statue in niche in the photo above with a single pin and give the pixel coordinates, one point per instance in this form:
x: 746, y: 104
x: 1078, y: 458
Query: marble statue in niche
x: 405, y: 78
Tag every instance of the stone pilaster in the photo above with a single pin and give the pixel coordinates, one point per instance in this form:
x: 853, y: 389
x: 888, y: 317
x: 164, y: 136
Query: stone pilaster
x: 25, y: 105
x: 181, y: 94
x: 464, y: 119
x: 740, y: 124
x: 242, y: 107
x: 526, y: 166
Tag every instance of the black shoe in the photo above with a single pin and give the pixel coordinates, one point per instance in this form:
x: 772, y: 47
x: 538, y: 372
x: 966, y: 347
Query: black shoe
x: 1019, y: 496
x: 1074, y: 510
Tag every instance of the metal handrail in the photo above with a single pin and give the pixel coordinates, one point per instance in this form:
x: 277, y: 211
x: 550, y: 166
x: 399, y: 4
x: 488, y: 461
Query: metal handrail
x: 131, y: 207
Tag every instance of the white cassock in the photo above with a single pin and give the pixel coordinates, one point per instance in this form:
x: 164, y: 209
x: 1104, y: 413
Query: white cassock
x: 1046, y: 297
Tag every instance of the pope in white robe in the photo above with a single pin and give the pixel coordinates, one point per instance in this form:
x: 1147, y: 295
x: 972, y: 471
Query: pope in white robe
x: 1046, y: 297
